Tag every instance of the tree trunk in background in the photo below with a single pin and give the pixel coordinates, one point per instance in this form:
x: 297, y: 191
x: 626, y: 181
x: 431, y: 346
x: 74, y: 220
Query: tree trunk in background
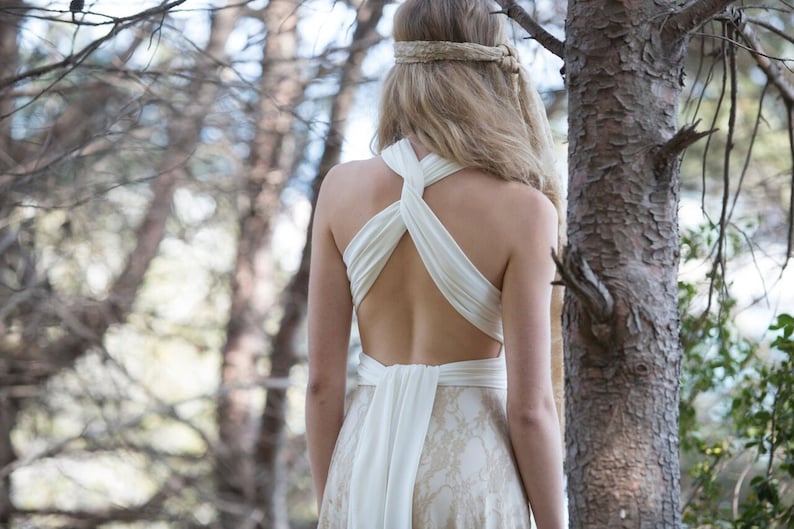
x: 272, y: 482
x: 624, y: 76
x: 9, y: 51
x: 9, y: 32
x: 94, y: 318
x: 8, y: 411
x: 253, y: 296
x: 34, y: 363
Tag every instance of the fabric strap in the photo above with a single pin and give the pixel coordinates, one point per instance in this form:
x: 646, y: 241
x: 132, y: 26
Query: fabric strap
x: 394, y: 430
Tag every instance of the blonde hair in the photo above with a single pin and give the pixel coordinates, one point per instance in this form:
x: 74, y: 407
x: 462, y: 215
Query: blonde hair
x: 478, y: 113
x: 472, y: 112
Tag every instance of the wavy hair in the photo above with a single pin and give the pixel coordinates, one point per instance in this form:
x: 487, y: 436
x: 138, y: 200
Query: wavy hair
x: 470, y: 112
x: 467, y: 111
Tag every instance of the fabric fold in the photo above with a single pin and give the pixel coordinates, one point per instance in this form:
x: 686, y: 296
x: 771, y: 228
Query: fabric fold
x: 384, y: 469
x: 462, y: 284
x: 394, y: 429
x: 395, y: 426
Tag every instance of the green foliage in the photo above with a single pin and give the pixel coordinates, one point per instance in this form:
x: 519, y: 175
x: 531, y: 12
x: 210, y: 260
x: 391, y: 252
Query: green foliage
x: 741, y: 461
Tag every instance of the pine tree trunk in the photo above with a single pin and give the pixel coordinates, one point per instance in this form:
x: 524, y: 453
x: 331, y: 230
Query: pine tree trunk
x: 623, y: 355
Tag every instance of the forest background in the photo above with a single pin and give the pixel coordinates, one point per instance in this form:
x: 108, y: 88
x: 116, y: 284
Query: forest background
x: 158, y: 164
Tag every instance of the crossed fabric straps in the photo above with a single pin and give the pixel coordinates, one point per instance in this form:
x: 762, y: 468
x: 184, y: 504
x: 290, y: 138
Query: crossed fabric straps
x: 393, y: 432
x: 461, y: 283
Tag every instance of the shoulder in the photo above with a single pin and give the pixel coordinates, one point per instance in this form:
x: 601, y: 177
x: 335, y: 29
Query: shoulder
x: 527, y: 199
x: 527, y: 205
x: 350, y: 193
x: 342, y: 174
x: 530, y: 218
x: 343, y: 181
x: 353, y: 174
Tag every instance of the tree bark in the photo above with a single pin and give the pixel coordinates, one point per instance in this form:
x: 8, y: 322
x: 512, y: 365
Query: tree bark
x: 272, y: 478
x: 621, y: 318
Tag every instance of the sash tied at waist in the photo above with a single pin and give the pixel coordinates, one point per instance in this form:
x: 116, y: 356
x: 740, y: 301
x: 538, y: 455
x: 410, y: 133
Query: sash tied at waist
x: 394, y: 430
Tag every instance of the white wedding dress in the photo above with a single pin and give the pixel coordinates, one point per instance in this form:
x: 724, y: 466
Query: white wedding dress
x: 424, y: 447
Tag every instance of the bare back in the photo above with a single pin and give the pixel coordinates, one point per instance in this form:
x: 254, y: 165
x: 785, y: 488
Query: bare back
x: 404, y: 318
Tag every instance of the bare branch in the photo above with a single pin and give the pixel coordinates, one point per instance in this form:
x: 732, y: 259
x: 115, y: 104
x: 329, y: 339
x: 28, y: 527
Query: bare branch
x: 766, y: 25
x: 535, y: 30
x: 748, y: 156
x: 767, y: 64
x: 75, y: 59
x: 786, y: 90
x: 686, y: 136
x: 720, y: 258
x: 693, y: 15
x: 790, y: 241
x: 577, y: 276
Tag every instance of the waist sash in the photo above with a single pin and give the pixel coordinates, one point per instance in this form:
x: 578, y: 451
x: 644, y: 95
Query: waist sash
x: 394, y: 430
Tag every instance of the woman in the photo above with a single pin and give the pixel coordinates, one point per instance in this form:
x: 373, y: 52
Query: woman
x: 442, y: 247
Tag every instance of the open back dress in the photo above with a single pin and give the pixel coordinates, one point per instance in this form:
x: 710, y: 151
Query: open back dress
x: 421, y: 446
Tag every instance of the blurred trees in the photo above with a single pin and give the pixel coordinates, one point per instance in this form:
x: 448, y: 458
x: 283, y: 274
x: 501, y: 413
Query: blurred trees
x: 158, y: 163
x: 133, y: 143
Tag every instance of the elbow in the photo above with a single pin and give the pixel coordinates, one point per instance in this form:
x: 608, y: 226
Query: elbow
x: 323, y: 387
x: 541, y: 415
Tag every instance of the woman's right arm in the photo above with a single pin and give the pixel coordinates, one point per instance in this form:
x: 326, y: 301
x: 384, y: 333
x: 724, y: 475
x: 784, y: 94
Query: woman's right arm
x: 531, y: 411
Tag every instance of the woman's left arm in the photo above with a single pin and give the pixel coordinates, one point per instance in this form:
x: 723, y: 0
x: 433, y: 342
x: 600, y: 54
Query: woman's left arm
x: 330, y: 310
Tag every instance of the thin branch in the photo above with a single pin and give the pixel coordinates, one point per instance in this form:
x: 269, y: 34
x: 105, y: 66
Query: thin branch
x: 75, y: 59
x: 701, y: 60
x: 790, y: 237
x: 734, y: 42
x: 719, y: 260
x: 737, y: 488
x: 692, y: 16
x: 703, y: 170
x: 748, y: 156
x: 535, y: 30
x: 786, y: 90
x: 767, y: 64
x: 766, y: 25
x: 151, y: 509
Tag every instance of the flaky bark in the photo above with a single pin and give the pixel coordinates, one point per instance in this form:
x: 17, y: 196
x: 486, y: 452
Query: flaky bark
x: 272, y: 482
x: 621, y: 318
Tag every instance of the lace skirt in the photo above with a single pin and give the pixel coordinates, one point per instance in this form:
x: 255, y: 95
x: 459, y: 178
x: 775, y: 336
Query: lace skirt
x: 467, y: 477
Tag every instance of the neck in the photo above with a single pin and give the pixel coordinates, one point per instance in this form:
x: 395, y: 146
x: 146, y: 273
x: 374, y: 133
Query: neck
x: 420, y: 150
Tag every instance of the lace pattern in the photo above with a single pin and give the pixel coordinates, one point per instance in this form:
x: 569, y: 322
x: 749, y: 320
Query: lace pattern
x: 467, y: 476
